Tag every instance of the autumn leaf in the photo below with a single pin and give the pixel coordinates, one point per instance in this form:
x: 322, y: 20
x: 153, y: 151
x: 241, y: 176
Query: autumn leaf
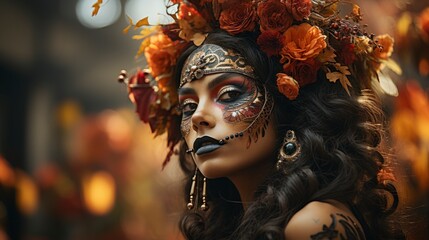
x: 142, y: 22
x: 198, y: 38
x: 143, y: 46
x: 341, y: 75
x: 130, y: 23
x: 96, y: 7
x: 327, y: 55
x: 394, y: 66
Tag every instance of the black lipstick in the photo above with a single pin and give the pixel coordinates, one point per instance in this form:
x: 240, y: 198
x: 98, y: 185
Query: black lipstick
x: 206, y: 144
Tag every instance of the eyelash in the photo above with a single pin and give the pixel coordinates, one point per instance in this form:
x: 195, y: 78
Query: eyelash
x: 228, y: 89
x: 186, y: 103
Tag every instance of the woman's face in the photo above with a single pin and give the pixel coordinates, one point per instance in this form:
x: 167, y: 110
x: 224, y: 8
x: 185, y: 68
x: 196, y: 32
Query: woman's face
x: 220, y: 105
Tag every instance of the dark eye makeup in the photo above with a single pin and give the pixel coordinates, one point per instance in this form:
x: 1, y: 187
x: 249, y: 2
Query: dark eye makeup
x: 233, y: 90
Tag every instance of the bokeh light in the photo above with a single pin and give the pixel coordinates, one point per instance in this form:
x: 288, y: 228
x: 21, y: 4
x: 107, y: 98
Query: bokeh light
x: 109, y: 12
x: 99, y: 192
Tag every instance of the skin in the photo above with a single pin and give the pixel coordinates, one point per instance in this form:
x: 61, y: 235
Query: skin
x: 204, y: 106
x: 324, y: 220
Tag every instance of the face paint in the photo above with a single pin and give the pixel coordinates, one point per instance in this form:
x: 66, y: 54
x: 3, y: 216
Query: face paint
x: 242, y: 102
x: 188, y: 106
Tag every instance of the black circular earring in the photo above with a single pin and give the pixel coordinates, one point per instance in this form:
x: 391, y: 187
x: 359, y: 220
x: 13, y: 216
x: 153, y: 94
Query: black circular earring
x: 289, y: 150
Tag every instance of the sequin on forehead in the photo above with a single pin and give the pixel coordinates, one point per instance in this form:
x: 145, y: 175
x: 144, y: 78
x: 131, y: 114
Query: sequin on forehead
x: 210, y: 59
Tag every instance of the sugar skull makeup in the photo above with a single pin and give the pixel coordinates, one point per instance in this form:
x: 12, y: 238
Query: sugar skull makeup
x: 234, y: 90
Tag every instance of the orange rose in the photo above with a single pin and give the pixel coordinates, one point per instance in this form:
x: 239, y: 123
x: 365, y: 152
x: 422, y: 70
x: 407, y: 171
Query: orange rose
x: 287, y: 86
x: 385, y: 49
x: 239, y: 18
x: 305, y: 72
x: 191, y: 23
x: 303, y: 42
x: 300, y: 9
x: 423, y: 23
x: 274, y: 16
x: 160, y: 54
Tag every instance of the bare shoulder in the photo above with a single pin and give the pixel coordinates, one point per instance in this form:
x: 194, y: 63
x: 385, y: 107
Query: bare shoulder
x: 321, y: 220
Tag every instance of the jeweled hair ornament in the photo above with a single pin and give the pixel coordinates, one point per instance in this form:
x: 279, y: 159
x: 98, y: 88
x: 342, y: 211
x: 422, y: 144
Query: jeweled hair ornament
x: 210, y: 59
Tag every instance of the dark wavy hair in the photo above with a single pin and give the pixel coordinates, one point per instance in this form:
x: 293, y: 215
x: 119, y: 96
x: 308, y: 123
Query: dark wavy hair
x: 339, y: 136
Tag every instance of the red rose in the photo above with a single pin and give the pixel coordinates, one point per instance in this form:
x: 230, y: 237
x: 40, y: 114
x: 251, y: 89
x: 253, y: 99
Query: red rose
x: 305, y: 72
x: 274, y: 16
x: 238, y: 18
x: 299, y: 9
x: 271, y: 42
x: 347, y: 54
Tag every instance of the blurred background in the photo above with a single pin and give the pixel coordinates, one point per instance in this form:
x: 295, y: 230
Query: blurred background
x: 75, y: 162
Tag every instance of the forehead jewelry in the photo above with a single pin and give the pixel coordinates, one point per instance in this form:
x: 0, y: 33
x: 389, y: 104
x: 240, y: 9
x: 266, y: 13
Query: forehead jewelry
x: 210, y: 59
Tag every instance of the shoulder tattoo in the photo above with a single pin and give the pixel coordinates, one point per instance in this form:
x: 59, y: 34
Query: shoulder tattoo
x: 352, y: 231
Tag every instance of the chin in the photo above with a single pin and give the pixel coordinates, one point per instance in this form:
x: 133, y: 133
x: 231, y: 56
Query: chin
x: 214, y: 168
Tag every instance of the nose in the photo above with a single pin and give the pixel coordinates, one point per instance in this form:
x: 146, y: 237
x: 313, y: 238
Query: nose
x: 203, y: 117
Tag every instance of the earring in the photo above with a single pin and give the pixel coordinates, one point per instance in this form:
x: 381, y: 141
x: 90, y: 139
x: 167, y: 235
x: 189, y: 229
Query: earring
x: 289, y: 150
x: 204, y: 206
x: 190, y: 205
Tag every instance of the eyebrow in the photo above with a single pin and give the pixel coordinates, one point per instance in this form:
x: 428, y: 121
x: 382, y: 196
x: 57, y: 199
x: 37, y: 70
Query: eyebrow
x: 212, y: 84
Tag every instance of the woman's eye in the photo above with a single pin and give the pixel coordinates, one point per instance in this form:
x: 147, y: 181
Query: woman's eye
x: 188, y: 109
x: 229, y: 96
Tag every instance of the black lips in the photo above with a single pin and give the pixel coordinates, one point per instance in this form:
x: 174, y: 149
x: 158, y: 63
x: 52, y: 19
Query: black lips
x: 204, y: 140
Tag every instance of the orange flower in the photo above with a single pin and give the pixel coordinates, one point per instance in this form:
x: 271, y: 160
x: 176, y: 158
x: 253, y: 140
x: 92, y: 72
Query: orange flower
x: 300, y: 9
x: 274, y: 16
x: 302, y: 42
x: 287, y: 86
x: 191, y: 23
x: 305, y: 72
x: 385, y: 49
x: 423, y: 23
x: 160, y: 54
x: 238, y: 18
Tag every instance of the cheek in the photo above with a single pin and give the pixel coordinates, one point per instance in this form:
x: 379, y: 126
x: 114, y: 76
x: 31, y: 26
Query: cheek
x: 185, y: 126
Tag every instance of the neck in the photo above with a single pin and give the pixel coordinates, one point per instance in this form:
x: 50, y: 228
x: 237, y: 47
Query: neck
x: 248, y: 181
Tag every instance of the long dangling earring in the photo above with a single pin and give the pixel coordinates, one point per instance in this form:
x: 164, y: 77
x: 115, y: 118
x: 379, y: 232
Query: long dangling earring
x: 204, y: 206
x: 191, y: 204
x: 289, y: 150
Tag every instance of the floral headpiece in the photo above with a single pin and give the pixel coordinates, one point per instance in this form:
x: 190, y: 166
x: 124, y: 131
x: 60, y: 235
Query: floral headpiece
x: 306, y: 36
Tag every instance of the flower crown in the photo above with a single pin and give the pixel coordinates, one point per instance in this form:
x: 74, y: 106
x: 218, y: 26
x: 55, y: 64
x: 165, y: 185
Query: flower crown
x: 306, y: 36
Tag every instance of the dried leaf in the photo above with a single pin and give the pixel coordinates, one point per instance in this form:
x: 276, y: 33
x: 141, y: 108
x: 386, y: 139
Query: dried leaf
x: 356, y: 10
x: 130, y: 23
x: 327, y: 55
x: 127, y: 29
x: 392, y: 65
x: 198, y: 38
x: 142, y: 47
x: 341, y: 75
x: 142, y: 22
x: 96, y: 7
x: 387, y: 84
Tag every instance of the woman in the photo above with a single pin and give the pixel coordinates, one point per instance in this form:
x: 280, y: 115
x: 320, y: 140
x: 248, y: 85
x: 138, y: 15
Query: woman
x: 280, y: 125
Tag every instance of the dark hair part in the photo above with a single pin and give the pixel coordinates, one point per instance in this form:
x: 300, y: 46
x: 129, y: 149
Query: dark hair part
x: 339, y: 135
